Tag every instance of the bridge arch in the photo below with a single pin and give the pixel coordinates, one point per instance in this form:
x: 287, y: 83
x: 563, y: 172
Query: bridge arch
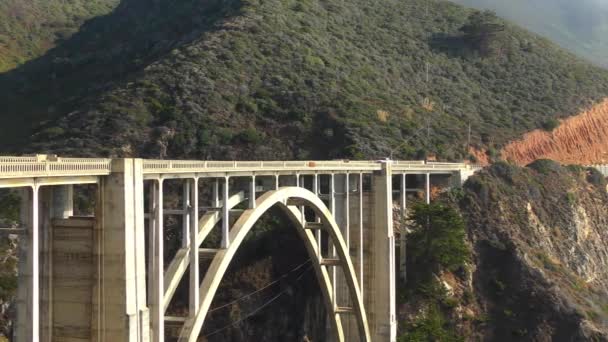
x: 287, y: 199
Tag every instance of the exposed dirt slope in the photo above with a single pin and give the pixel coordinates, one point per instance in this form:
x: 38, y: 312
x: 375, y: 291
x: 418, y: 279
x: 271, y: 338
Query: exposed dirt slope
x: 582, y: 139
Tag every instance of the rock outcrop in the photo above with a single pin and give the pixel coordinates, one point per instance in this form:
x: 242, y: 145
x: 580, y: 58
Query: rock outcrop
x: 540, y: 252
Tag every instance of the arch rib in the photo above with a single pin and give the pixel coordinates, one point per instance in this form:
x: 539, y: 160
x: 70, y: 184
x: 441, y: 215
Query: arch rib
x: 239, y: 231
x: 180, y: 262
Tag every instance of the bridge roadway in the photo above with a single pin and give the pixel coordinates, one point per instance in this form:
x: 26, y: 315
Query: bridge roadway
x: 104, y: 277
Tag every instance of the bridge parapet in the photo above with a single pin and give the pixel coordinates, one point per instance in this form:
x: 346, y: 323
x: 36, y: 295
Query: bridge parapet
x: 53, y: 166
x: 603, y: 168
x: 37, y: 166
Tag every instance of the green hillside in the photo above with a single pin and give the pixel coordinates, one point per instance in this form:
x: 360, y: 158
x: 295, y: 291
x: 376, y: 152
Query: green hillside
x: 291, y: 79
x: 28, y: 28
x: 580, y: 26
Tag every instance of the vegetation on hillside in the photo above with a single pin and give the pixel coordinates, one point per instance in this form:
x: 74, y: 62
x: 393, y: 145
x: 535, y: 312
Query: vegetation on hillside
x: 291, y: 79
x: 29, y: 28
x: 9, y: 217
x: 579, y: 26
x: 436, y: 245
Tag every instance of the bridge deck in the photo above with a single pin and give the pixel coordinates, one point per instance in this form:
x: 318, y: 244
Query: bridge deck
x: 20, y: 170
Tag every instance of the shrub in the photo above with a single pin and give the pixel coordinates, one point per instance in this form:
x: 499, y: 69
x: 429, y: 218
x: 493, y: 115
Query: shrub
x: 550, y: 124
x: 438, y: 239
x: 431, y: 326
x: 545, y: 166
x: 249, y: 136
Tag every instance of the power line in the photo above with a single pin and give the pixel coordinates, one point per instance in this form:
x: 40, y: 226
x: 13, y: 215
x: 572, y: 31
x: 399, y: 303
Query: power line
x: 246, y: 317
x: 261, y: 289
x: 258, y: 309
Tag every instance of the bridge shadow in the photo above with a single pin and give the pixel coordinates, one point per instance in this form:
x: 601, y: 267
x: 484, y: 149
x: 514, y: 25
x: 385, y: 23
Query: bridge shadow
x: 107, y: 52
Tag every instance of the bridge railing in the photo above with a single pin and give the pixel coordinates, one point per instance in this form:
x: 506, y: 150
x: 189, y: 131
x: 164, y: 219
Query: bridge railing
x: 38, y: 166
x: 168, y: 166
x: 421, y: 165
x: 50, y: 165
x: 603, y: 168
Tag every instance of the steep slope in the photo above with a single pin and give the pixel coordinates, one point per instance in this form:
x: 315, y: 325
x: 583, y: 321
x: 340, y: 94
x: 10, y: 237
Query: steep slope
x: 289, y: 79
x: 537, y: 264
x: 28, y: 28
x: 540, y: 255
x: 582, y: 139
x: 580, y: 26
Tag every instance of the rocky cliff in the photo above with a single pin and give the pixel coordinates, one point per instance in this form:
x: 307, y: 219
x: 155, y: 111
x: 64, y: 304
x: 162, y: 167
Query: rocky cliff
x: 540, y: 252
x: 537, y: 268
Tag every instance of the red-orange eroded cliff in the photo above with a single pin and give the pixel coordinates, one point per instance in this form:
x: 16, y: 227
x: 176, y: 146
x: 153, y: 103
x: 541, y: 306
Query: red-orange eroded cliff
x: 581, y: 139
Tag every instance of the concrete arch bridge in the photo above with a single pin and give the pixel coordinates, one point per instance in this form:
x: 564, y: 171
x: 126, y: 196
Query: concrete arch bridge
x: 106, y: 276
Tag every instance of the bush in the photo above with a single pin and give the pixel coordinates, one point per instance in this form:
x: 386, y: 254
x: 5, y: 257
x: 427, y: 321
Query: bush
x: 438, y: 239
x: 431, y: 326
x: 545, y: 166
x: 249, y: 136
x: 550, y: 124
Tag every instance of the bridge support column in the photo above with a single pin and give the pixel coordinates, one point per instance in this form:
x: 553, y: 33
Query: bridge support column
x: 27, y: 327
x: 119, y: 300
x: 403, y: 233
x: 381, y: 292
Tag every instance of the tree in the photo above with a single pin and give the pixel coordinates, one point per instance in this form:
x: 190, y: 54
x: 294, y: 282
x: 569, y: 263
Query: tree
x: 438, y: 238
x: 484, y: 32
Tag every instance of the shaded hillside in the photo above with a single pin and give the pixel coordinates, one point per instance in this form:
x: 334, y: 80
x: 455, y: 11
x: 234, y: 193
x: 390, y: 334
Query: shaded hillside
x: 538, y: 263
x: 290, y: 79
x: 541, y: 265
x: 580, y: 26
x: 582, y: 139
x: 28, y: 28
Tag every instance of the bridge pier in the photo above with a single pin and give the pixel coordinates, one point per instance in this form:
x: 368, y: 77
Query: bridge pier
x: 380, y: 295
x: 39, y: 206
x: 119, y: 301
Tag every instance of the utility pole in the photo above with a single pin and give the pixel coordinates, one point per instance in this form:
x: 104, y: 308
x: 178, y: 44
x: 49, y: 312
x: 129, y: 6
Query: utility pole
x: 469, y: 136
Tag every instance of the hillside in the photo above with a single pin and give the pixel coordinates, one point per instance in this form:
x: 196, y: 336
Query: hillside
x: 539, y: 242
x: 291, y: 79
x: 536, y: 268
x: 582, y: 139
x: 29, y: 28
x: 580, y: 26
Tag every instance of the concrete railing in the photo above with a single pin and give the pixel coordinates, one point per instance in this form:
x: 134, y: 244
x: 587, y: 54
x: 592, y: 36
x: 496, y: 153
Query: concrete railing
x: 601, y: 168
x: 177, y: 166
x: 53, y: 166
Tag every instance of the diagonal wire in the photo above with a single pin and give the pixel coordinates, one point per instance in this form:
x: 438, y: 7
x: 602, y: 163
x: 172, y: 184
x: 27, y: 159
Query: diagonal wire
x: 254, y: 312
x: 261, y: 289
